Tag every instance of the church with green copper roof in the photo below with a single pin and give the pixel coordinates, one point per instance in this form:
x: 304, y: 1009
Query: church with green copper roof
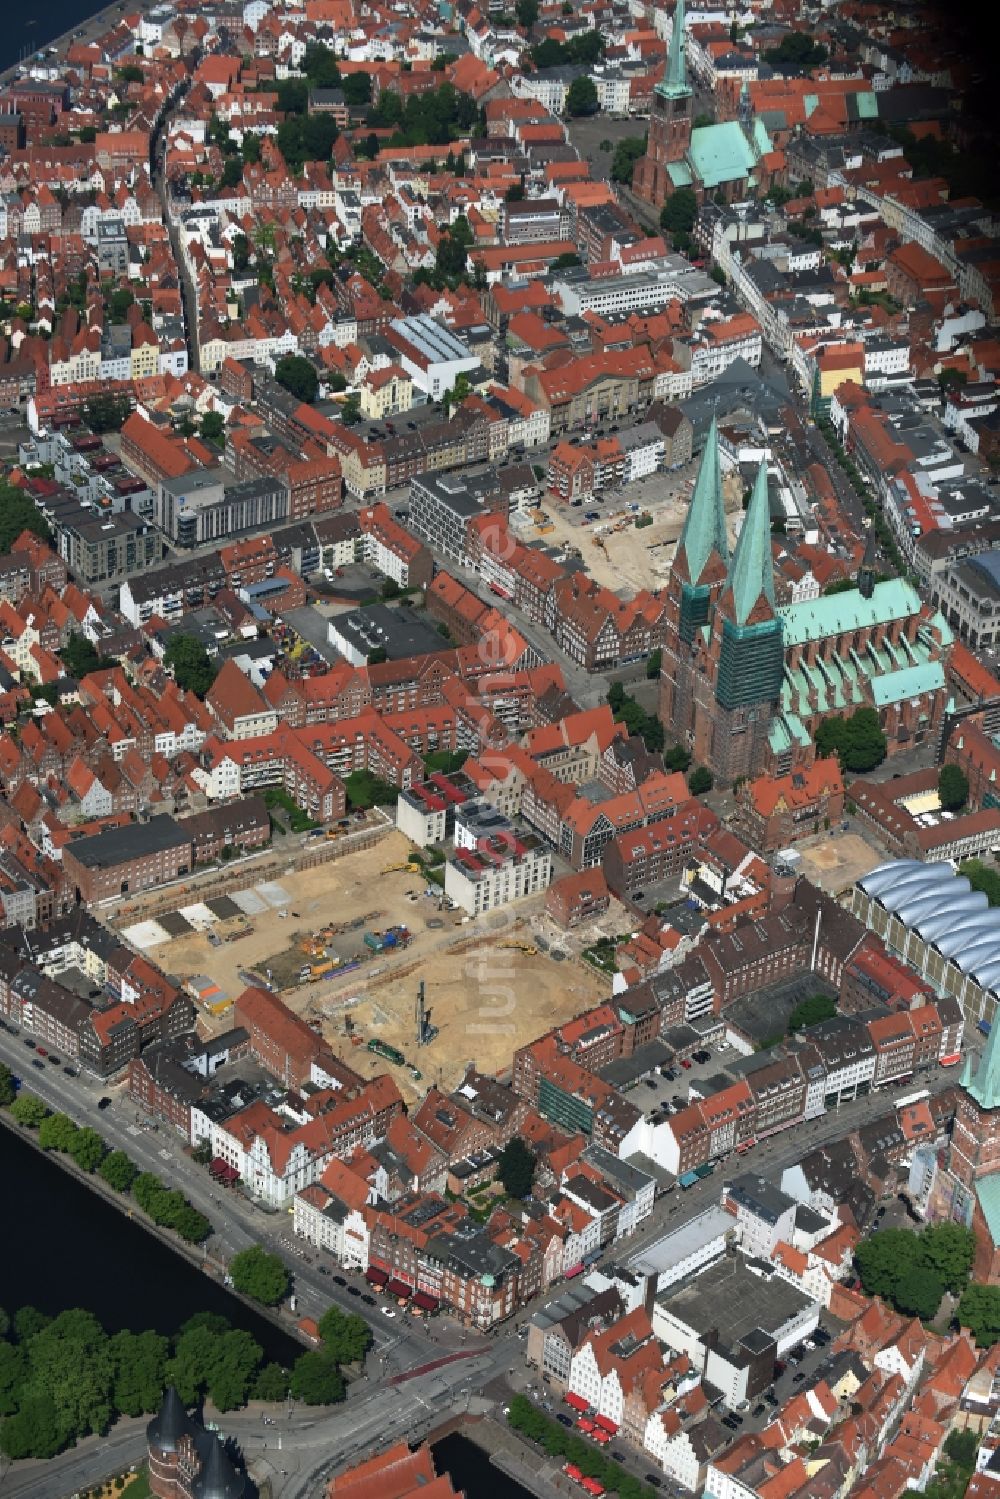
x: 723, y: 158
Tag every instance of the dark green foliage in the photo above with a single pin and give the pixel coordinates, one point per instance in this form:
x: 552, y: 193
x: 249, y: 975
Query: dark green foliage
x: 445, y: 761
x: 679, y: 211
x: 635, y: 718
x: 981, y: 877
x: 303, y: 138
x: 953, y: 787
x: 28, y: 1110
x: 316, y: 1380
x: 79, y: 657
x: 979, y: 1310
x: 271, y: 1383
x: 913, y: 1270
x: 118, y: 1171
x: 558, y: 1442
x: 700, y: 780
x: 799, y: 49
x: 566, y: 261
x: 106, y: 412
x: 432, y: 119
x: 588, y: 47
x: 261, y: 1275
x: 962, y: 1446
x: 581, y: 97
x: 298, y: 375
x: 17, y: 514
x: 7, y: 1091
x: 320, y: 66
x: 365, y: 790
x: 138, y: 1361
x: 187, y: 658
x: 627, y: 153
x: 232, y: 171
x: 516, y: 1167
x: 857, y: 741
x: 676, y: 757
x: 811, y: 1012
x: 527, y: 13
x: 88, y: 1149
x: 654, y: 663
x: 57, y: 1132
x: 357, y: 89
x: 119, y: 303
x: 213, y: 427
x: 346, y: 1336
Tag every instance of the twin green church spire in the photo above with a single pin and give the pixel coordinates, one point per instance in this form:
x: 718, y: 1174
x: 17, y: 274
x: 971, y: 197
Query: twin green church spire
x: 675, y: 84
x: 750, y: 571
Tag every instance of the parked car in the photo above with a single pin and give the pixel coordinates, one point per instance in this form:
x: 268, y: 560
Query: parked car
x: 654, y: 1479
x: 759, y: 1410
x: 685, y: 1064
x: 29, y: 1043
x: 35, y: 1062
x: 368, y: 1300
x: 54, y: 1060
x: 353, y: 1291
x: 728, y: 1421
x: 798, y: 1378
x: 71, y: 1072
x: 387, y: 1311
x: 619, y: 1457
x: 339, y: 1280
x: 104, y: 1103
x: 563, y: 1420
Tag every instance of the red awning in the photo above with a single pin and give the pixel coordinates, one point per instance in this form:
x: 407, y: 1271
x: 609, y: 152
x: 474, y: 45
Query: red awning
x: 606, y: 1423
x: 376, y: 1277
x: 398, y: 1288
x: 601, y: 1437
x: 572, y: 1471
x: 425, y: 1302
x: 576, y: 1270
x: 577, y: 1402
x: 585, y: 1423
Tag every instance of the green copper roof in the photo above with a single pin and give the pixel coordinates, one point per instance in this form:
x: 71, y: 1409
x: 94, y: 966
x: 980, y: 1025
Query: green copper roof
x: 819, y: 618
x: 721, y: 153
x: 705, y: 524
x: 751, y: 572
x: 896, y: 686
x: 984, y: 1087
x: 675, y: 84
x: 679, y: 173
x: 761, y: 139
x: 988, y: 1192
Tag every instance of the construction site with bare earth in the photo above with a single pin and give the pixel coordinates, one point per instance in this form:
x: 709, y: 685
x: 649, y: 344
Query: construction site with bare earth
x: 348, y: 944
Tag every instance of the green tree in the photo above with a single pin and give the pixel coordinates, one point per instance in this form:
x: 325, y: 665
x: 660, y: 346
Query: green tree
x: 316, y: 1380
x: 679, y: 211
x: 106, y: 412
x: 79, y: 657
x: 28, y: 1110
x: 979, y: 1311
x: 138, y: 1361
x: 516, y: 1167
x: 7, y: 1090
x: 357, y: 89
x: 320, y: 66
x: 962, y: 1447
x: 119, y: 302
x: 69, y: 1361
x: 193, y: 1361
x: 452, y: 255
x: 232, y: 171
x: 17, y: 514
x: 237, y: 1360
x: 28, y: 1321
x: 57, y: 1132
x: 298, y: 375
x: 187, y: 658
x: 527, y: 13
x: 118, y: 1171
x: 811, y: 1011
x: 857, y: 741
x: 700, y: 780
x: 953, y: 787
x: 981, y: 877
x: 566, y: 261
x: 654, y: 664
x: 948, y: 1249
x: 213, y: 427
x: 627, y: 153
x: 260, y: 1275
x: 33, y: 1431
x: 88, y: 1149
x: 192, y: 1226
x: 346, y: 1336
x: 271, y: 1383
x: 13, y: 1371
x: 918, y: 1292
x: 350, y: 411
x: 799, y: 49
x: 884, y: 1257
x: 581, y: 97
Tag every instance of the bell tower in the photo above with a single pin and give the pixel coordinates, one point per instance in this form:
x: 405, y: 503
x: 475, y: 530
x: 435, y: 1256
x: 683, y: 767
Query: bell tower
x: 669, y: 122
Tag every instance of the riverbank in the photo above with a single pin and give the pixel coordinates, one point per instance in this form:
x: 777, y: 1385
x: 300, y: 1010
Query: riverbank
x: 206, y: 1290
x: 32, y: 37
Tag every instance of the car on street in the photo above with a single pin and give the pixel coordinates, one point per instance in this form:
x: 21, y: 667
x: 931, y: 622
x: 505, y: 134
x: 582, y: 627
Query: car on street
x: 654, y: 1479
x: 35, y: 1062
x: 387, y: 1311
x: 759, y: 1410
x: 798, y: 1377
x: 563, y: 1420
x: 619, y: 1457
x: 71, y: 1072
x: 339, y: 1280
x: 685, y: 1064
x: 104, y: 1103
x: 29, y: 1043
x: 42, y: 1052
x: 353, y: 1291
x: 728, y: 1421
x: 54, y: 1060
x: 368, y: 1300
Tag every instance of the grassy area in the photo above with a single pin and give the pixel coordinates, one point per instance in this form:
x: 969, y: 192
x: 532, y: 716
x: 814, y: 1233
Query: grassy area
x: 602, y: 954
x: 298, y: 821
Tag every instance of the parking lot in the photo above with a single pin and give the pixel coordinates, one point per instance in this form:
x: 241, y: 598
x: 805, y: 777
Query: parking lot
x: 667, y: 1091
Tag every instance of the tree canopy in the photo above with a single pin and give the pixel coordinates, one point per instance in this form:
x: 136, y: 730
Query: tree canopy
x: 799, y: 49
x: 346, y: 1336
x: 912, y: 1271
x: 857, y: 741
x: 679, y: 211
x: 188, y: 659
x: 17, y: 514
x: 261, y: 1275
x: 979, y: 1310
x: 516, y: 1167
x: 953, y: 787
x: 316, y: 1379
x: 581, y: 97
x: 627, y: 153
x: 700, y: 780
x: 79, y: 656
x: 981, y: 877
x: 298, y: 375
x: 633, y: 715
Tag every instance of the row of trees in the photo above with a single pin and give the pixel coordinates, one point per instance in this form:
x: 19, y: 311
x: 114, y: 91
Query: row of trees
x: 66, y: 1377
x: 167, y: 1208
x: 633, y: 715
x: 912, y: 1271
x: 558, y: 1441
x: 434, y: 118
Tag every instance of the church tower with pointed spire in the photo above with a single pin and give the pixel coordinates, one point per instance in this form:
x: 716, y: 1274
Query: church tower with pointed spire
x: 723, y: 659
x: 698, y: 575
x: 669, y: 121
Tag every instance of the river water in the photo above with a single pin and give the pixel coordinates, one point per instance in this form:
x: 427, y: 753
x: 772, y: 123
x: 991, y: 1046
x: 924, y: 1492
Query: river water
x: 65, y: 1246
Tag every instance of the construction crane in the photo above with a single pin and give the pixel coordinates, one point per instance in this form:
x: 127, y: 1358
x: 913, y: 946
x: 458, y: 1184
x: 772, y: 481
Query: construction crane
x: 425, y: 1031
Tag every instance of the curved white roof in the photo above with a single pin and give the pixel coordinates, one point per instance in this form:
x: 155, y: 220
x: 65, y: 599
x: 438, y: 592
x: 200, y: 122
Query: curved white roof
x: 942, y: 908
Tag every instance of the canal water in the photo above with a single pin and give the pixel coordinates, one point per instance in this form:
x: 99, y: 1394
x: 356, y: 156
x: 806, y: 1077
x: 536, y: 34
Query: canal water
x: 65, y: 1246
x: 471, y: 1471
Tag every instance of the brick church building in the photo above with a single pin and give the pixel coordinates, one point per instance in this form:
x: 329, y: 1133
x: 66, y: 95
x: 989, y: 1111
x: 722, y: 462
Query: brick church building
x: 186, y: 1461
